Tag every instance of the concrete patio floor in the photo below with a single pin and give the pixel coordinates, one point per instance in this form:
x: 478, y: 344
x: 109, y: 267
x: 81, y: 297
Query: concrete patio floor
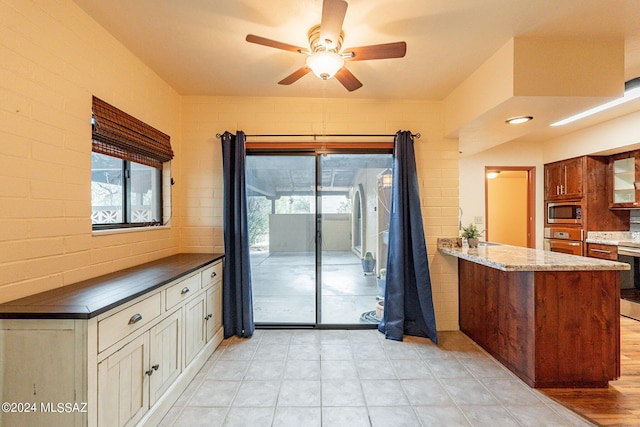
x: 284, y: 289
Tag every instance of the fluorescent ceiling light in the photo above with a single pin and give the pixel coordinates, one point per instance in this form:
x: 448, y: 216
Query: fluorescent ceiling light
x: 631, y: 92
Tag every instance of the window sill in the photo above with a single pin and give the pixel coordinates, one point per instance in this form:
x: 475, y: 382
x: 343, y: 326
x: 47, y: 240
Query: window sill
x: 128, y: 230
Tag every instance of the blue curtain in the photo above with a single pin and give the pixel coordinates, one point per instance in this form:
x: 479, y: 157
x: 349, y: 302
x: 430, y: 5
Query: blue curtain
x: 237, y: 304
x: 408, y: 303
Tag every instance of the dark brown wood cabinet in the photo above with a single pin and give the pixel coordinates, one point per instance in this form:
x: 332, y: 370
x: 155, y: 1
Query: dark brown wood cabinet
x: 551, y: 328
x: 599, y: 250
x: 563, y: 179
x: 585, y: 180
x: 624, y: 172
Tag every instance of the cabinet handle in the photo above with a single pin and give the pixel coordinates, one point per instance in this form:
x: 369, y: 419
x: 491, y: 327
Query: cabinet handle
x: 601, y: 251
x: 557, y: 190
x: 184, y: 290
x: 213, y: 274
x: 208, y: 316
x: 135, y: 318
x: 153, y: 368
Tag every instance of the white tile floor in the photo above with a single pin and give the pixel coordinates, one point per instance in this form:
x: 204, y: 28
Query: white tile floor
x: 357, y: 378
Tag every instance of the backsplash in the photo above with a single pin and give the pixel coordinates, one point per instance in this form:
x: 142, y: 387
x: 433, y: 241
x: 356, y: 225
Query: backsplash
x: 634, y: 221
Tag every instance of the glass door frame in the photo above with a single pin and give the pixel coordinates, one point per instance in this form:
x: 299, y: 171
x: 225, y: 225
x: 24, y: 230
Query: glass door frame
x: 317, y: 150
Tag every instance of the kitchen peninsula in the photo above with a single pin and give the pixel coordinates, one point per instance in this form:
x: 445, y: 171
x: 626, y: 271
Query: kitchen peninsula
x: 553, y: 319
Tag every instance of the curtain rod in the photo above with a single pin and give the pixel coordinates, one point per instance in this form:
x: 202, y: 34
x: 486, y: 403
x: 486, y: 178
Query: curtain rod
x: 315, y: 135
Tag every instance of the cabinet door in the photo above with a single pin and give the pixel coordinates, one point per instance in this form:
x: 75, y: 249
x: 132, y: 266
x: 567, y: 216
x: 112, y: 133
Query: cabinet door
x: 572, y: 179
x: 553, y: 179
x: 123, y: 386
x: 165, y: 358
x: 42, y: 361
x: 195, y: 327
x: 624, y: 172
x: 214, y: 310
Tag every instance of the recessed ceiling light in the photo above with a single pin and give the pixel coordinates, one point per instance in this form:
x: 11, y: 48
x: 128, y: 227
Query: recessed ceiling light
x: 631, y: 92
x: 493, y: 174
x: 518, y: 120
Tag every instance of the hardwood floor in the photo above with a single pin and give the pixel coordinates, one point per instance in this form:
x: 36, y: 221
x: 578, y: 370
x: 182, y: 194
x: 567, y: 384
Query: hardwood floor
x: 619, y: 404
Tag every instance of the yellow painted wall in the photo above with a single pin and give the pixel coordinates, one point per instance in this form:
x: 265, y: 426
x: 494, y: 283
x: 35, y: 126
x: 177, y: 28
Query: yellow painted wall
x: 507, y: 208
x: 54, y: 58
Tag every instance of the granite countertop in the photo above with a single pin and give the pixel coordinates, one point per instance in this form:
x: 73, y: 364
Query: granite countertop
x: 89, y: 298
x: 516, y: 258
x: 612, y: 237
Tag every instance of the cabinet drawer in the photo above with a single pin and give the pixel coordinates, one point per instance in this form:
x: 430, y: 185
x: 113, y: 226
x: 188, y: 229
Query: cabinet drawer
x: 211, y: 274
x: 182, y: 290
x: 117, y: 326
x: 598, y: 250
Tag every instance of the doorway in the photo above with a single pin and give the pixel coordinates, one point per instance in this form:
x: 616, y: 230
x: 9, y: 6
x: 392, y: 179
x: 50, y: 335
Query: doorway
x: 313, y: 217
x: 510, y: 205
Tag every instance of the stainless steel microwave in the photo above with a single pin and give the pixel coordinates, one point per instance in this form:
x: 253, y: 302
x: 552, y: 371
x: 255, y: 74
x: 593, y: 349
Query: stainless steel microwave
x: 564, y: 213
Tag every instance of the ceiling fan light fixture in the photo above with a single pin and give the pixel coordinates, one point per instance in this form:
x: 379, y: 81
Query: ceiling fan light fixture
x: 325, y: 64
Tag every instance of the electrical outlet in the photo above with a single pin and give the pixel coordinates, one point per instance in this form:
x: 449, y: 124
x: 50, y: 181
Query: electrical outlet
x: 478, y: 219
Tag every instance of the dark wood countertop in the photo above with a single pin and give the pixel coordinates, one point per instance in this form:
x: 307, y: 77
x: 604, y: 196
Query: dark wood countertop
x: 89, y: 298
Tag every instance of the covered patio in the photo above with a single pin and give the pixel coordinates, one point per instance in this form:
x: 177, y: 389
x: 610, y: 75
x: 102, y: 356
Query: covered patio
x: 284, y: 289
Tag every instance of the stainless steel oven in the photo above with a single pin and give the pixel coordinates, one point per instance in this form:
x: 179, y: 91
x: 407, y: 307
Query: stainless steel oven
x: 629, y: 252
x: 564, y: 213
x: 564, y: 239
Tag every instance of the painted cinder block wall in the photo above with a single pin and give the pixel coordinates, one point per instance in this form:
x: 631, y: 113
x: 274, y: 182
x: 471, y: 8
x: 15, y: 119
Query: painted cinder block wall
x: 53, y: 58
x: 436, y: 158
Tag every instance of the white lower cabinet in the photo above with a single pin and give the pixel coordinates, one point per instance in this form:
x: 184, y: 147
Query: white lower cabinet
x: 165, y: 359
x: 214, y: 316
x: 195, y: 333
x: 123, y: 396
x: 127, y: 366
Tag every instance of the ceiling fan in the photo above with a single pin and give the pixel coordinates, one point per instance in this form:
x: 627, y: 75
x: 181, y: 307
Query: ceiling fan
x: 324, y: 55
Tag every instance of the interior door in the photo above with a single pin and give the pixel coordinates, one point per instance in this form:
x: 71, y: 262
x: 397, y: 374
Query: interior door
x: 510, y: 205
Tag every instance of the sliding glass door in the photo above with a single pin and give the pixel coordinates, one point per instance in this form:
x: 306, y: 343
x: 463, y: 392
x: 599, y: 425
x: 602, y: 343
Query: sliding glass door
x: 317, y: 225
x: 282, y: 228
x: 354, y: 216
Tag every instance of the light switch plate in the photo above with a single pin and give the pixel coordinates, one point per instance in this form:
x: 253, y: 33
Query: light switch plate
x: 478, y: 219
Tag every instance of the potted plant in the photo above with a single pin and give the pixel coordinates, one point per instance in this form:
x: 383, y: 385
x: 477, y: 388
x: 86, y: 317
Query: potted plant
x: 471, y: 233
x: 382, y: 282
x: 368, y: 263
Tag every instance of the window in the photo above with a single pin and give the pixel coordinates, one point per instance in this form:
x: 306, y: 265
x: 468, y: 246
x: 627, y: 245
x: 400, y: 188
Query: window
x: 126, y: 170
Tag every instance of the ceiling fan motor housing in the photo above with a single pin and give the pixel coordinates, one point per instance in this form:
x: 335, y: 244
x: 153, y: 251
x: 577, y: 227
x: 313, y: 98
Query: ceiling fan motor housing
x: 317, y: 44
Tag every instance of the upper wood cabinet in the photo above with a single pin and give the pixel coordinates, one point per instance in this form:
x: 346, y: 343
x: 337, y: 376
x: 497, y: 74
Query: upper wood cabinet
x: 624, y: 171
x: 563, y: 179
x: 585, y: 180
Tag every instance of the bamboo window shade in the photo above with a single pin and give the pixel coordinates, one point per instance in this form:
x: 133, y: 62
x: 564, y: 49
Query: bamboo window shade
x: 118, y: 134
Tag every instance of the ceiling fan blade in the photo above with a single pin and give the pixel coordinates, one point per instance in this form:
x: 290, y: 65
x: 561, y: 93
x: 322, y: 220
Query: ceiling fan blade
x: 348, y: 80
x: 333, y: 13
x: 295, y: 76
x: 272, y: 43
x: 377, y: 51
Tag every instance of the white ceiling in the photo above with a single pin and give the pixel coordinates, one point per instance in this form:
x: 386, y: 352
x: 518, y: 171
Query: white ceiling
x: 199, y: 47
